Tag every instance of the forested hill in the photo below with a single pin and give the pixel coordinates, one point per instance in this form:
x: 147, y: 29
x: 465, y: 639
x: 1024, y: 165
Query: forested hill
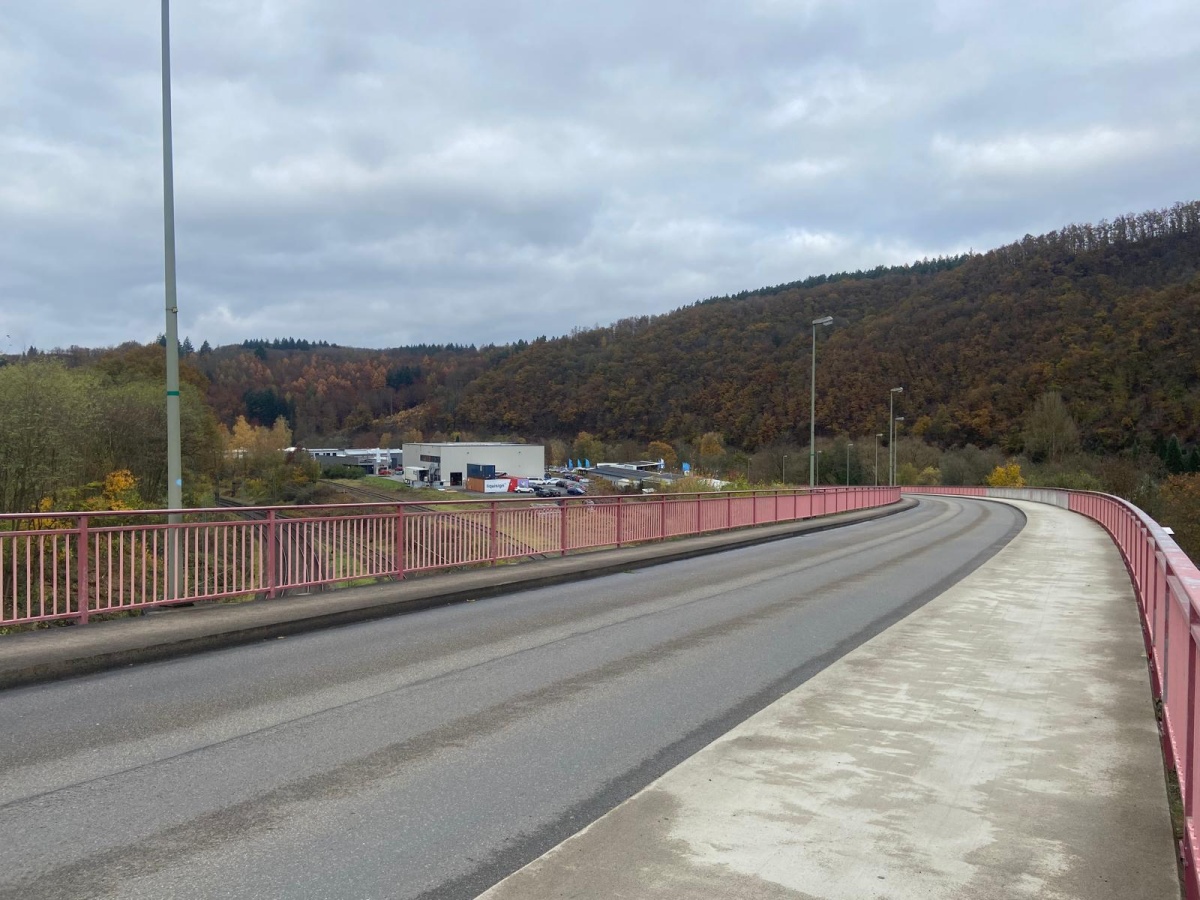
x: 1108, y: 314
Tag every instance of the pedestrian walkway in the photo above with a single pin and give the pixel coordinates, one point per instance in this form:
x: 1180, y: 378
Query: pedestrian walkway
x: 1000, y: 742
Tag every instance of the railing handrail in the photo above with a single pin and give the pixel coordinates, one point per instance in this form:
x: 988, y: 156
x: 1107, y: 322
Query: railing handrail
x: 70, y: 565
x: 44, y: 515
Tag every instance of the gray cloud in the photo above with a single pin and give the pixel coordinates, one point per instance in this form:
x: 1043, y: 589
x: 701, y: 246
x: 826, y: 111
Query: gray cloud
x: 377, y: 174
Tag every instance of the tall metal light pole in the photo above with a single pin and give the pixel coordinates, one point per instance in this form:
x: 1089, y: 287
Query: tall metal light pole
x: 896, y: 456
x: 785, y: 468
x: 812, y: 404
x: 878, y: 435
x: 174, y: 454
x: 849, y: 444
x: 892, y: 434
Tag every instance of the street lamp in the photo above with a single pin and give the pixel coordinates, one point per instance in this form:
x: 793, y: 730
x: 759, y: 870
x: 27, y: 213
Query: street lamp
x: 849, y: 444
x: 171, y: 308
x: 896, y: 457
x: 892, y: 434
x: 878, y: 435
x: 785, y: 468
x: 812, y: 404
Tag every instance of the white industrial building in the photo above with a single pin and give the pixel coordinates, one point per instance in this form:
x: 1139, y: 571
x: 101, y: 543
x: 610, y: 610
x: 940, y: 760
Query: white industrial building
x: 375, y: 461
x: 451, y: 464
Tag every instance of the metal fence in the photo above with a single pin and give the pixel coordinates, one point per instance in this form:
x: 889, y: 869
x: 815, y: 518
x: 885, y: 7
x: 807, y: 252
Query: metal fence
x: 76, y: 565
x: 1167, y: 584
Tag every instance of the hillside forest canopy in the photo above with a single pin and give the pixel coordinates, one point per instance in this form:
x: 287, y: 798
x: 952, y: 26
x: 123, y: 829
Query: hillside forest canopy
x: 1073, y: 355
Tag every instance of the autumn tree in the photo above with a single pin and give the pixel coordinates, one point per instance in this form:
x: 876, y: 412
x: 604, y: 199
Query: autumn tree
x: 711, y: 450
x: 587, y: 447
x: 47, y: 416
x: 1050, y: 431
x: 556, y: 452
x: 256, y: 457
x: 62, y: 428
x: 664, y: 451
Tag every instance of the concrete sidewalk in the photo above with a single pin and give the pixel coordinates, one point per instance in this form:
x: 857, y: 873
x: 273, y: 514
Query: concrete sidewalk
x: 169, y: 632
x: 1000, y: 742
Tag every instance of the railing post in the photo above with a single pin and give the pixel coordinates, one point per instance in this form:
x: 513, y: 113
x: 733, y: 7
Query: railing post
x: 400, y: 542
x: 493, y: 552
x: 699, y: 523
x: 272, y: 555
x: 1189, y: 739
x: 620, y: 521
x: 662, y: 517
x: 83, y: 595
x: 562, y: 519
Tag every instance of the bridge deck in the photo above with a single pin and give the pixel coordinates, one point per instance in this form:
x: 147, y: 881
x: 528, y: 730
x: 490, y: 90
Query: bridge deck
x: 999, y: 742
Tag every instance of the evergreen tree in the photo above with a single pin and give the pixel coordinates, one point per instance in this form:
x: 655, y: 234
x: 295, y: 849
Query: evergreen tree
x: 1173, y: 456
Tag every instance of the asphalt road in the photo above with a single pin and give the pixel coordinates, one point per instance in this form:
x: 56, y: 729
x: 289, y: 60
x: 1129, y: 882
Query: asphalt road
x: 429, y: 755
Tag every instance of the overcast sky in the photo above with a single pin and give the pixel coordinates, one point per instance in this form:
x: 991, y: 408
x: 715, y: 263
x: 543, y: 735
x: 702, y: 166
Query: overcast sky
x: 377, y: 173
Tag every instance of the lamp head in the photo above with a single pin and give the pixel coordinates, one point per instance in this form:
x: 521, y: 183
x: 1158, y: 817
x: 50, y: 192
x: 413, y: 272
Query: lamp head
x: 898, y: 390
x: 824, y: 320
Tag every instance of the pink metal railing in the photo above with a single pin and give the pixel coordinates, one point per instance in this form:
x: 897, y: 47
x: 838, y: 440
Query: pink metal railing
x: 76, y: 565
x: 1167, y: 585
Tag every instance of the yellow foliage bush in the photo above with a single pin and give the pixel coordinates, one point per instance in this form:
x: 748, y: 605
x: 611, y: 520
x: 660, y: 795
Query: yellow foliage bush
x: 1008, y: 475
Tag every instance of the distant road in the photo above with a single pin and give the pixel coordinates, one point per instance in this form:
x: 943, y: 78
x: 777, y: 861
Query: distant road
x: 429, y: 755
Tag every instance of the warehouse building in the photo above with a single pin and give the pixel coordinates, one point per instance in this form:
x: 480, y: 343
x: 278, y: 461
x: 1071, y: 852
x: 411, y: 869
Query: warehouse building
x: 451, y: 464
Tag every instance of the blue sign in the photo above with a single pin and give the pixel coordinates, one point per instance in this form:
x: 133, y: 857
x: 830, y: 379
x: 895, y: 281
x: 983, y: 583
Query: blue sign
x: 687, y: 467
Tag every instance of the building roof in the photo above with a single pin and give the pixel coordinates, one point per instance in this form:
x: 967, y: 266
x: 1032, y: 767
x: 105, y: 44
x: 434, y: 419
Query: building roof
x: 473, y: 444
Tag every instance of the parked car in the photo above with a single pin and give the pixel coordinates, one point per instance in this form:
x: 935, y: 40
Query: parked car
x: 547, y: 490
x: 523, y: 489
x: 575, y: 490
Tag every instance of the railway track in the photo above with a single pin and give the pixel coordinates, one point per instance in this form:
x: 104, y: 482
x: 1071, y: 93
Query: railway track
x: 468, y: 526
